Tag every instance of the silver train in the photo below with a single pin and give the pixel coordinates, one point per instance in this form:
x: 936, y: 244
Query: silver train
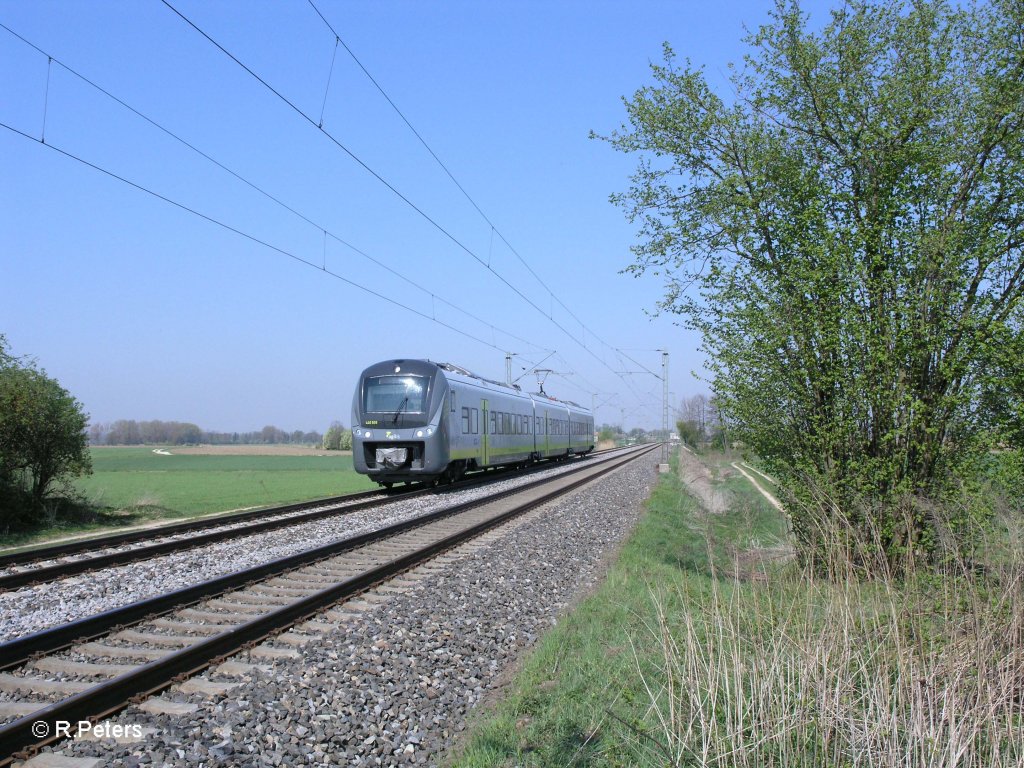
x: 419, y: 421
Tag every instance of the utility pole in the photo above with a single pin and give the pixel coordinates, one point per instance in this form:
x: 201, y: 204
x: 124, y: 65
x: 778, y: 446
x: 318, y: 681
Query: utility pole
x: 664, y: 405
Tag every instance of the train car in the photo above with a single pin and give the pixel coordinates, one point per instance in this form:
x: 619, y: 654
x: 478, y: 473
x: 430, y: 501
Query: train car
x: 420, y: 421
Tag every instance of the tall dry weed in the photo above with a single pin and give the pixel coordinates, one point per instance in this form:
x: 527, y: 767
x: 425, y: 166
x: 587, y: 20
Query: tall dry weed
x: 924, y: 671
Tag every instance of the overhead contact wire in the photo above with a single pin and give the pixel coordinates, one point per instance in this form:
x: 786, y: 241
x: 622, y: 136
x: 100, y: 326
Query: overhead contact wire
x: 382, y: 180
x: 52, y: 60
x: 246, y: 235
x: 486, y: 218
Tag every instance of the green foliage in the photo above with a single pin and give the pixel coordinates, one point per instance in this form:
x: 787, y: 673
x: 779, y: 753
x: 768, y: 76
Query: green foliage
x: 851, y: 217
x: 689, y: 432
x: 337, y: 438
x: 42, y: 440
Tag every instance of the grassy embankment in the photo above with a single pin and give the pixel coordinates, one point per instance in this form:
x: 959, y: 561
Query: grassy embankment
x: 134, y: 486
x: 699, y: 651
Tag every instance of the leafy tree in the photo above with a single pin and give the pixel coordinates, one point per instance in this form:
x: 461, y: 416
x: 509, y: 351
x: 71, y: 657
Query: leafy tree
x: 689, y: 432
x: 844, y: 227
x: 337, y: 438
x: 42, y: 438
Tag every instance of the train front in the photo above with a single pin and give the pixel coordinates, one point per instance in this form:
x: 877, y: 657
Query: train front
x: 399, y: 424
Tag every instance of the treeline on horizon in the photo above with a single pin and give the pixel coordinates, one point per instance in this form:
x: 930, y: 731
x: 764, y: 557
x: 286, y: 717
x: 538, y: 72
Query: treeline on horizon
x: 132, y: 432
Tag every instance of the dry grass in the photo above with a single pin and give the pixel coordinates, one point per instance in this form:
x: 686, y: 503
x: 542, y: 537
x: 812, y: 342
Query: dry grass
x: 925, y: 672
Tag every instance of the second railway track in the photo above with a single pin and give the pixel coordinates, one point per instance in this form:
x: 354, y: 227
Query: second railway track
x: 185, y: 631
x: 51, y: 563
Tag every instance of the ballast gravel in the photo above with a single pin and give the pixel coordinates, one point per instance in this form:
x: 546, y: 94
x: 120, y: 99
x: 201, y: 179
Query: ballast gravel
x: 394, y: 684
x: 34, y: 608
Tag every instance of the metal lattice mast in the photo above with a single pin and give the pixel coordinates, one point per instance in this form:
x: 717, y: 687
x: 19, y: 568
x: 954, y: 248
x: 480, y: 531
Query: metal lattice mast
x: 664, y: 405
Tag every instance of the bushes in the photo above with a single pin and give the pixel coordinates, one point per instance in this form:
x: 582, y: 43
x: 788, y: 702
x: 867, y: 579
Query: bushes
x: 338, y: 438
x: 42, y: 442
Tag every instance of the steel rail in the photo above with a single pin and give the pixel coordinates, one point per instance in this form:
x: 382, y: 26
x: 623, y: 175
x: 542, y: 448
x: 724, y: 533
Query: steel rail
x: 57, y: 571
x: 53, y: 551
x: 16, y: 652
x: 152, y: 677
x: 34, y: 553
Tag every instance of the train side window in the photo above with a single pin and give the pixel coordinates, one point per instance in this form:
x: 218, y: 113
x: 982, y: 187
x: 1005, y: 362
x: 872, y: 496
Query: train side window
x: 452, y: 398
x: 466, y: 423
x: 475, y: 423
x: 493, y: 422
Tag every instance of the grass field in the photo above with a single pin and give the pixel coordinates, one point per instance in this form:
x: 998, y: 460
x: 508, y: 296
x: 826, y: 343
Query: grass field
x: 131, y: 486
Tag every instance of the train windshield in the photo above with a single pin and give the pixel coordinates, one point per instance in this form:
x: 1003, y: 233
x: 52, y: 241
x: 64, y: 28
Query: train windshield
x: 395, y: 394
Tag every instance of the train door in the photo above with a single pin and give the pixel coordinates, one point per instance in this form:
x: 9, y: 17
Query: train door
x: 484, y: 436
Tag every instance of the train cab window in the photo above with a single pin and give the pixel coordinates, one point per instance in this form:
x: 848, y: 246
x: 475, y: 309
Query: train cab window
x: 398, y: 394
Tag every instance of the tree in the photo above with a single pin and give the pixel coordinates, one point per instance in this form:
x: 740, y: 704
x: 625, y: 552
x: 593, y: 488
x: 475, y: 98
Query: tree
x: 689, y: 432
x: 42, y: 437
x: 846, y: 231
x: 337, y: 438
x: 696, y: 411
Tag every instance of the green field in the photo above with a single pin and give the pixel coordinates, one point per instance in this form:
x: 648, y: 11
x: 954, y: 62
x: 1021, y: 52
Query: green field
x: 131, y: 486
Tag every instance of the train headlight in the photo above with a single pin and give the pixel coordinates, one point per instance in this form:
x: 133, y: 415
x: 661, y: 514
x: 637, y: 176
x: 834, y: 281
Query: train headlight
x: 419, y: 433
x: 367, y: 433
x: 430, y: 430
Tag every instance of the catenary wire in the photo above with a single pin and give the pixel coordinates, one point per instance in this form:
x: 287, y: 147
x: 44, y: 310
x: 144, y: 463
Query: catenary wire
x: 52, y: 60
x: 392, y: 188
x: 309, y: 221
x: 246, y: 235
x: 483, y: 215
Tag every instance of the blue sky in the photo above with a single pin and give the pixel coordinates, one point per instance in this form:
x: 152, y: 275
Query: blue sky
x: 146, y: 311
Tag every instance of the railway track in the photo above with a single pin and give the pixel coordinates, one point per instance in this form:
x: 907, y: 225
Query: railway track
x: 140, y: 649
x: 47, y: 564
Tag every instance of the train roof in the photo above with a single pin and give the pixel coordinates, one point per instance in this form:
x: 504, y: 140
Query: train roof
x: 453, y: 368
